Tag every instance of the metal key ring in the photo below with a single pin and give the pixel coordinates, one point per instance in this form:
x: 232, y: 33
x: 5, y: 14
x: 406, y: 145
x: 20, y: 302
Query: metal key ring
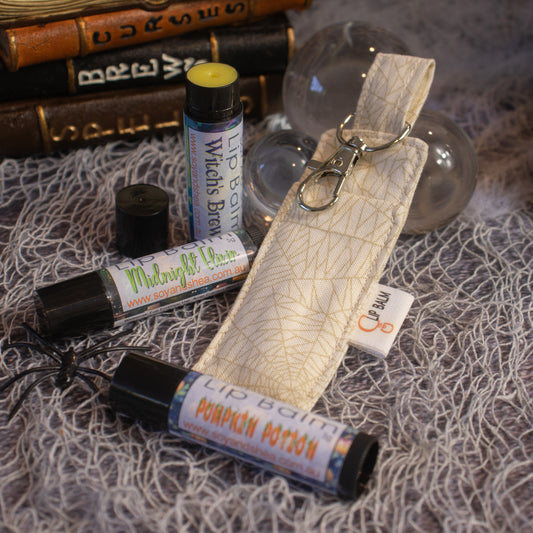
x: 364, y: 147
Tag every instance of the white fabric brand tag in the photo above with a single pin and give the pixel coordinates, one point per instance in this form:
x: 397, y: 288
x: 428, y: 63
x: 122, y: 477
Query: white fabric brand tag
x: 382, y: 314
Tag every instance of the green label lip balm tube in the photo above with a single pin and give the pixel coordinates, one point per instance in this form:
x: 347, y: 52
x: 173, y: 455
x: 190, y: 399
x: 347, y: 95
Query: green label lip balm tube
x: 213, y: 138
x: 140, y: 287
x: 304, y: 446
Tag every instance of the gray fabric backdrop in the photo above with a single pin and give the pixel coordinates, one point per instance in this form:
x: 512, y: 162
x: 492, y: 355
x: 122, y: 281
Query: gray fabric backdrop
x: 451, y: 404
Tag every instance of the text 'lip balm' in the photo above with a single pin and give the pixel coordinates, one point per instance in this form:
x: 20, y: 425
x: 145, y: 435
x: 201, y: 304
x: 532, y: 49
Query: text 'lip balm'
x: 213, y: 129
x: 299, y: 444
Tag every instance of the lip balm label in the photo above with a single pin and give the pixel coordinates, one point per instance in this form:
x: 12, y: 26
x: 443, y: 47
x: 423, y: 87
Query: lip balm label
x: 264, y: 431
x: 187, y: 272
x: 214, y: 178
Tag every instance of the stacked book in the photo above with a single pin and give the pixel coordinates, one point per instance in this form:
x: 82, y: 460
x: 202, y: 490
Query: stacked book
x: 77, y: 73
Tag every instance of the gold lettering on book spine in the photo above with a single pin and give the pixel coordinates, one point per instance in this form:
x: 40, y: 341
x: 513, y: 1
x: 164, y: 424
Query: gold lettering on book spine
x: 129, y: 127
x: 93, y: 130
x: 125, y: 126
x: 70, y: 133
x: 175, y: 123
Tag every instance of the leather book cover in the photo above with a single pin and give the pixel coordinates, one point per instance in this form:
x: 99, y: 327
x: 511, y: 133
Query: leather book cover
x: 261, y: 47
x: 29, y: 45
x: 24, y: 12
x: 46, y: 126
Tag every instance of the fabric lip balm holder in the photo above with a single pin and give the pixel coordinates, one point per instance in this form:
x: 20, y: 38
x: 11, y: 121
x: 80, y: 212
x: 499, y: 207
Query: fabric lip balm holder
x: 325, y: 252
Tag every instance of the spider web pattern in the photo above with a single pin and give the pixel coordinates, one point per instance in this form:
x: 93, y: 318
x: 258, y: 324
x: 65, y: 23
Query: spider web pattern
x: 288, y: 330
x: 451, y: 405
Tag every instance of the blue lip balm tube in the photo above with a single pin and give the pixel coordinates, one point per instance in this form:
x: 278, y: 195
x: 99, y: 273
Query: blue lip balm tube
x: 273, y: 435
x: 213, y: 130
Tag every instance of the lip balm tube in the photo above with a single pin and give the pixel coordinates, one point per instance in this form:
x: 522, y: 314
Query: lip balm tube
x: 212, y: 119
x: 301, y: 445
x: 144, y: 286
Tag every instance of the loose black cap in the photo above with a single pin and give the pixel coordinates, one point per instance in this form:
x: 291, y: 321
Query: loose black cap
x: 74, y: 306
x: 143, y: 387
x: 142, y: 220
x: 209, y: 101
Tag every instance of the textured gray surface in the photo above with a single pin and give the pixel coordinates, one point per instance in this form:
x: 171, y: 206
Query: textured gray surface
x: 451, y: 404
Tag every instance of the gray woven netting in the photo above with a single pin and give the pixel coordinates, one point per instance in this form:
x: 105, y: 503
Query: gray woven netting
x: 452, y: 403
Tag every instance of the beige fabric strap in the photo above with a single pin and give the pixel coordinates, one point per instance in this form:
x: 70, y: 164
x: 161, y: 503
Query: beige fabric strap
x: 394, y: 92
x: 289, y: 327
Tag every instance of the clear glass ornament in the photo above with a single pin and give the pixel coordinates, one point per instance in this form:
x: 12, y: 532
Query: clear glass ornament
x: 448, y: 179
x: 324, y: 78
x: 271, y: 166
x: 446, y: 184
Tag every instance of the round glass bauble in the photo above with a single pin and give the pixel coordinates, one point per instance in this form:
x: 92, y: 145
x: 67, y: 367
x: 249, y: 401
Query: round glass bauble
x: 324, y: 78
x: 271, y: 166
x: 448, y: 178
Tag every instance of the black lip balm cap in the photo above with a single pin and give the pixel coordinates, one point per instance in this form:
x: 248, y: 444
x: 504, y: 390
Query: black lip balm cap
x: 74, y: 306
x: 142, y: 220
x: 142, y: 388
x: 358, y: 465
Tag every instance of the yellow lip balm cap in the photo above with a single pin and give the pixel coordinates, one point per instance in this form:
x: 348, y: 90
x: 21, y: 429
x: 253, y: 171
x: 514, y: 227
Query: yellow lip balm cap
x: 212, y: 92
x: 212, y: 75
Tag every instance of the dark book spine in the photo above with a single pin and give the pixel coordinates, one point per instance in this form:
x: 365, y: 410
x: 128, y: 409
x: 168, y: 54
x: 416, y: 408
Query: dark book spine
x: 257, y: 48
x: 30, y: 45
x: 58, y: 124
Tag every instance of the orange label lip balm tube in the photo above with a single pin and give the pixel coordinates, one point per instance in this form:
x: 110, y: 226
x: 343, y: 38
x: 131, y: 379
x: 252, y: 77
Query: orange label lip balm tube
x: 213, y: 139
x: 304, y: 446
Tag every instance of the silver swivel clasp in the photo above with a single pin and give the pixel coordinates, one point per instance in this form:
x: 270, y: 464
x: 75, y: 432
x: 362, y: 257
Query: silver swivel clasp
x: 340, y: 164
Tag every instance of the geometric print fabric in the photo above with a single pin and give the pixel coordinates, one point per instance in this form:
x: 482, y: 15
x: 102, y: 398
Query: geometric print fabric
x: 288, y: 328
